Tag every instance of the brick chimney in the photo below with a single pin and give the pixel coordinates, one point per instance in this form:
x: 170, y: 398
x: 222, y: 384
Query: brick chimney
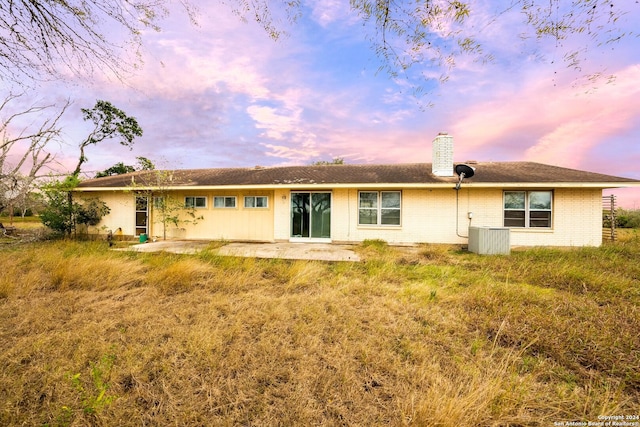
x: 442, y: 158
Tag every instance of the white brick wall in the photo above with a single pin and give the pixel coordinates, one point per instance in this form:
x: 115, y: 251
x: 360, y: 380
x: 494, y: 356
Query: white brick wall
x: 428, y: 215
x: 577, y: 221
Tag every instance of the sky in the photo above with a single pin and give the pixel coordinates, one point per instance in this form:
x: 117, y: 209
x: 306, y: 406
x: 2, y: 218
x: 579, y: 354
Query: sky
x: 225, y: 94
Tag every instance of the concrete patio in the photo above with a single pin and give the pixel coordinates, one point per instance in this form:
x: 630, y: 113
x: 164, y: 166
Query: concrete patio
x: 302, y: 251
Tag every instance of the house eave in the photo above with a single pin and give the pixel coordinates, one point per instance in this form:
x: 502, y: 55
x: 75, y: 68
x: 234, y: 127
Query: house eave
x: 601, y: 185
x: 329, y: 186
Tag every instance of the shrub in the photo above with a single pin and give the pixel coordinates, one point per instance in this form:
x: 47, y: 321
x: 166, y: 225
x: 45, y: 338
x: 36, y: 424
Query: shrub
x: 628, y: 218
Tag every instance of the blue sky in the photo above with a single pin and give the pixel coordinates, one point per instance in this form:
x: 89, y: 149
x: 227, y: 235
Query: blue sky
x: 223, y: 94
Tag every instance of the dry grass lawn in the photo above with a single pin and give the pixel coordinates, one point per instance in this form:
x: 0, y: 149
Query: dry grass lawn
x: 430, y: 337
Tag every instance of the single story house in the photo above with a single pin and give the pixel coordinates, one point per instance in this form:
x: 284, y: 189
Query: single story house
x: 541, y: 205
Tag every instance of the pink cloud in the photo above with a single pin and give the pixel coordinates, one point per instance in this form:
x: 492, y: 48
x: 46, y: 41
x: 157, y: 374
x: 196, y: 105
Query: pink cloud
x: 626, y: 198
x: 563, y: 123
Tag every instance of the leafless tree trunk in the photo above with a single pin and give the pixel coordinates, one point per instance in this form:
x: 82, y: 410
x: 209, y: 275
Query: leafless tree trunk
x: 23, y: 150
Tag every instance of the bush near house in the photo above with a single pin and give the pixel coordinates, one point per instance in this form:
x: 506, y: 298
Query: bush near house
x: 409, y: 336
x: 626, y: 218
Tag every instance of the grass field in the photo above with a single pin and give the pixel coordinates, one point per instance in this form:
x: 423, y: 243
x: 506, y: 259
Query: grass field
x: 431, y: 337
x: 19, y: 221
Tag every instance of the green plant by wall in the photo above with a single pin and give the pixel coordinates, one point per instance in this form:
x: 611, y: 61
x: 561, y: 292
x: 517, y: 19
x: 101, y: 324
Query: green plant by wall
x: 62, y: 213
x: 167, y: 209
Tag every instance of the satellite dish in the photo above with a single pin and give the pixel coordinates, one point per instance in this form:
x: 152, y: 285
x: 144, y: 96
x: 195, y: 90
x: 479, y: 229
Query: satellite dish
x: 463, y: 171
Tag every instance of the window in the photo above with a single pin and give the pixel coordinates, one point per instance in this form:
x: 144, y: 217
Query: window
x: 379, y: 207
x: 224, y: 202
x: 195, y: 202
x: 527, y: 209
x: 158, y: 202
x: 255, y: 202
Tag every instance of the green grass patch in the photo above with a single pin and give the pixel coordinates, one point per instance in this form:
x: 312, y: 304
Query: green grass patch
x: 20, y: 220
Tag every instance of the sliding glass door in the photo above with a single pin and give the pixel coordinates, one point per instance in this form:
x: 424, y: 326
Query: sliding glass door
x: 310, y: 215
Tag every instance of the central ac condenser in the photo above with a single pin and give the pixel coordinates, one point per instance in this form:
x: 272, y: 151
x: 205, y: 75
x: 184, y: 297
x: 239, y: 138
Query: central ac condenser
x: 489, y: 240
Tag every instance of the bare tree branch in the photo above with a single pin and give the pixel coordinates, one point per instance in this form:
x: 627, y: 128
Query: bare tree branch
x: 434, y: 34
x: 23, y: 148
x: 47, y: 39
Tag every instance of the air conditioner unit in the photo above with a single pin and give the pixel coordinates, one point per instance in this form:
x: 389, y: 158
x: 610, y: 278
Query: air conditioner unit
x: 489, y: 240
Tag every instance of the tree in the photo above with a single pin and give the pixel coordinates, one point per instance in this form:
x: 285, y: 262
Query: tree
x: 58, y: 213
x: 120, y: 168
x: 25, y: 135
x: 145, y: 164
x: 628, y: 218
x: 62, y: 213
x: 168, y: 210
x: 28, y: 204
x: 109, y: 123
x: 48, y: 39
x: 335, y: 161
x: 172, y: 211
x: 117, y: 169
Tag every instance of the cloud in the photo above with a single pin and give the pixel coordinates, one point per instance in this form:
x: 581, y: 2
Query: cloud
x: 562, y: 124
x: 225, y: 94
x: 180, y: 65
x: 326, y: 12
x: 291, y: 155
x: 276, y: 126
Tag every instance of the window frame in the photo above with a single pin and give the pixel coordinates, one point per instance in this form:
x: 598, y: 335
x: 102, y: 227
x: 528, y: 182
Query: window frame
x: 255, y: 202
x: 526, y: 211
x: 195, y: 204
x: 158, y: 202
x: 379, y: 208
x: 224, y: 202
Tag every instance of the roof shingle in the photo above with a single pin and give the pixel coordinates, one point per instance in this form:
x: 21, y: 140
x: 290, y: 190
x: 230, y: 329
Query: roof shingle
x: 414, y: 173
